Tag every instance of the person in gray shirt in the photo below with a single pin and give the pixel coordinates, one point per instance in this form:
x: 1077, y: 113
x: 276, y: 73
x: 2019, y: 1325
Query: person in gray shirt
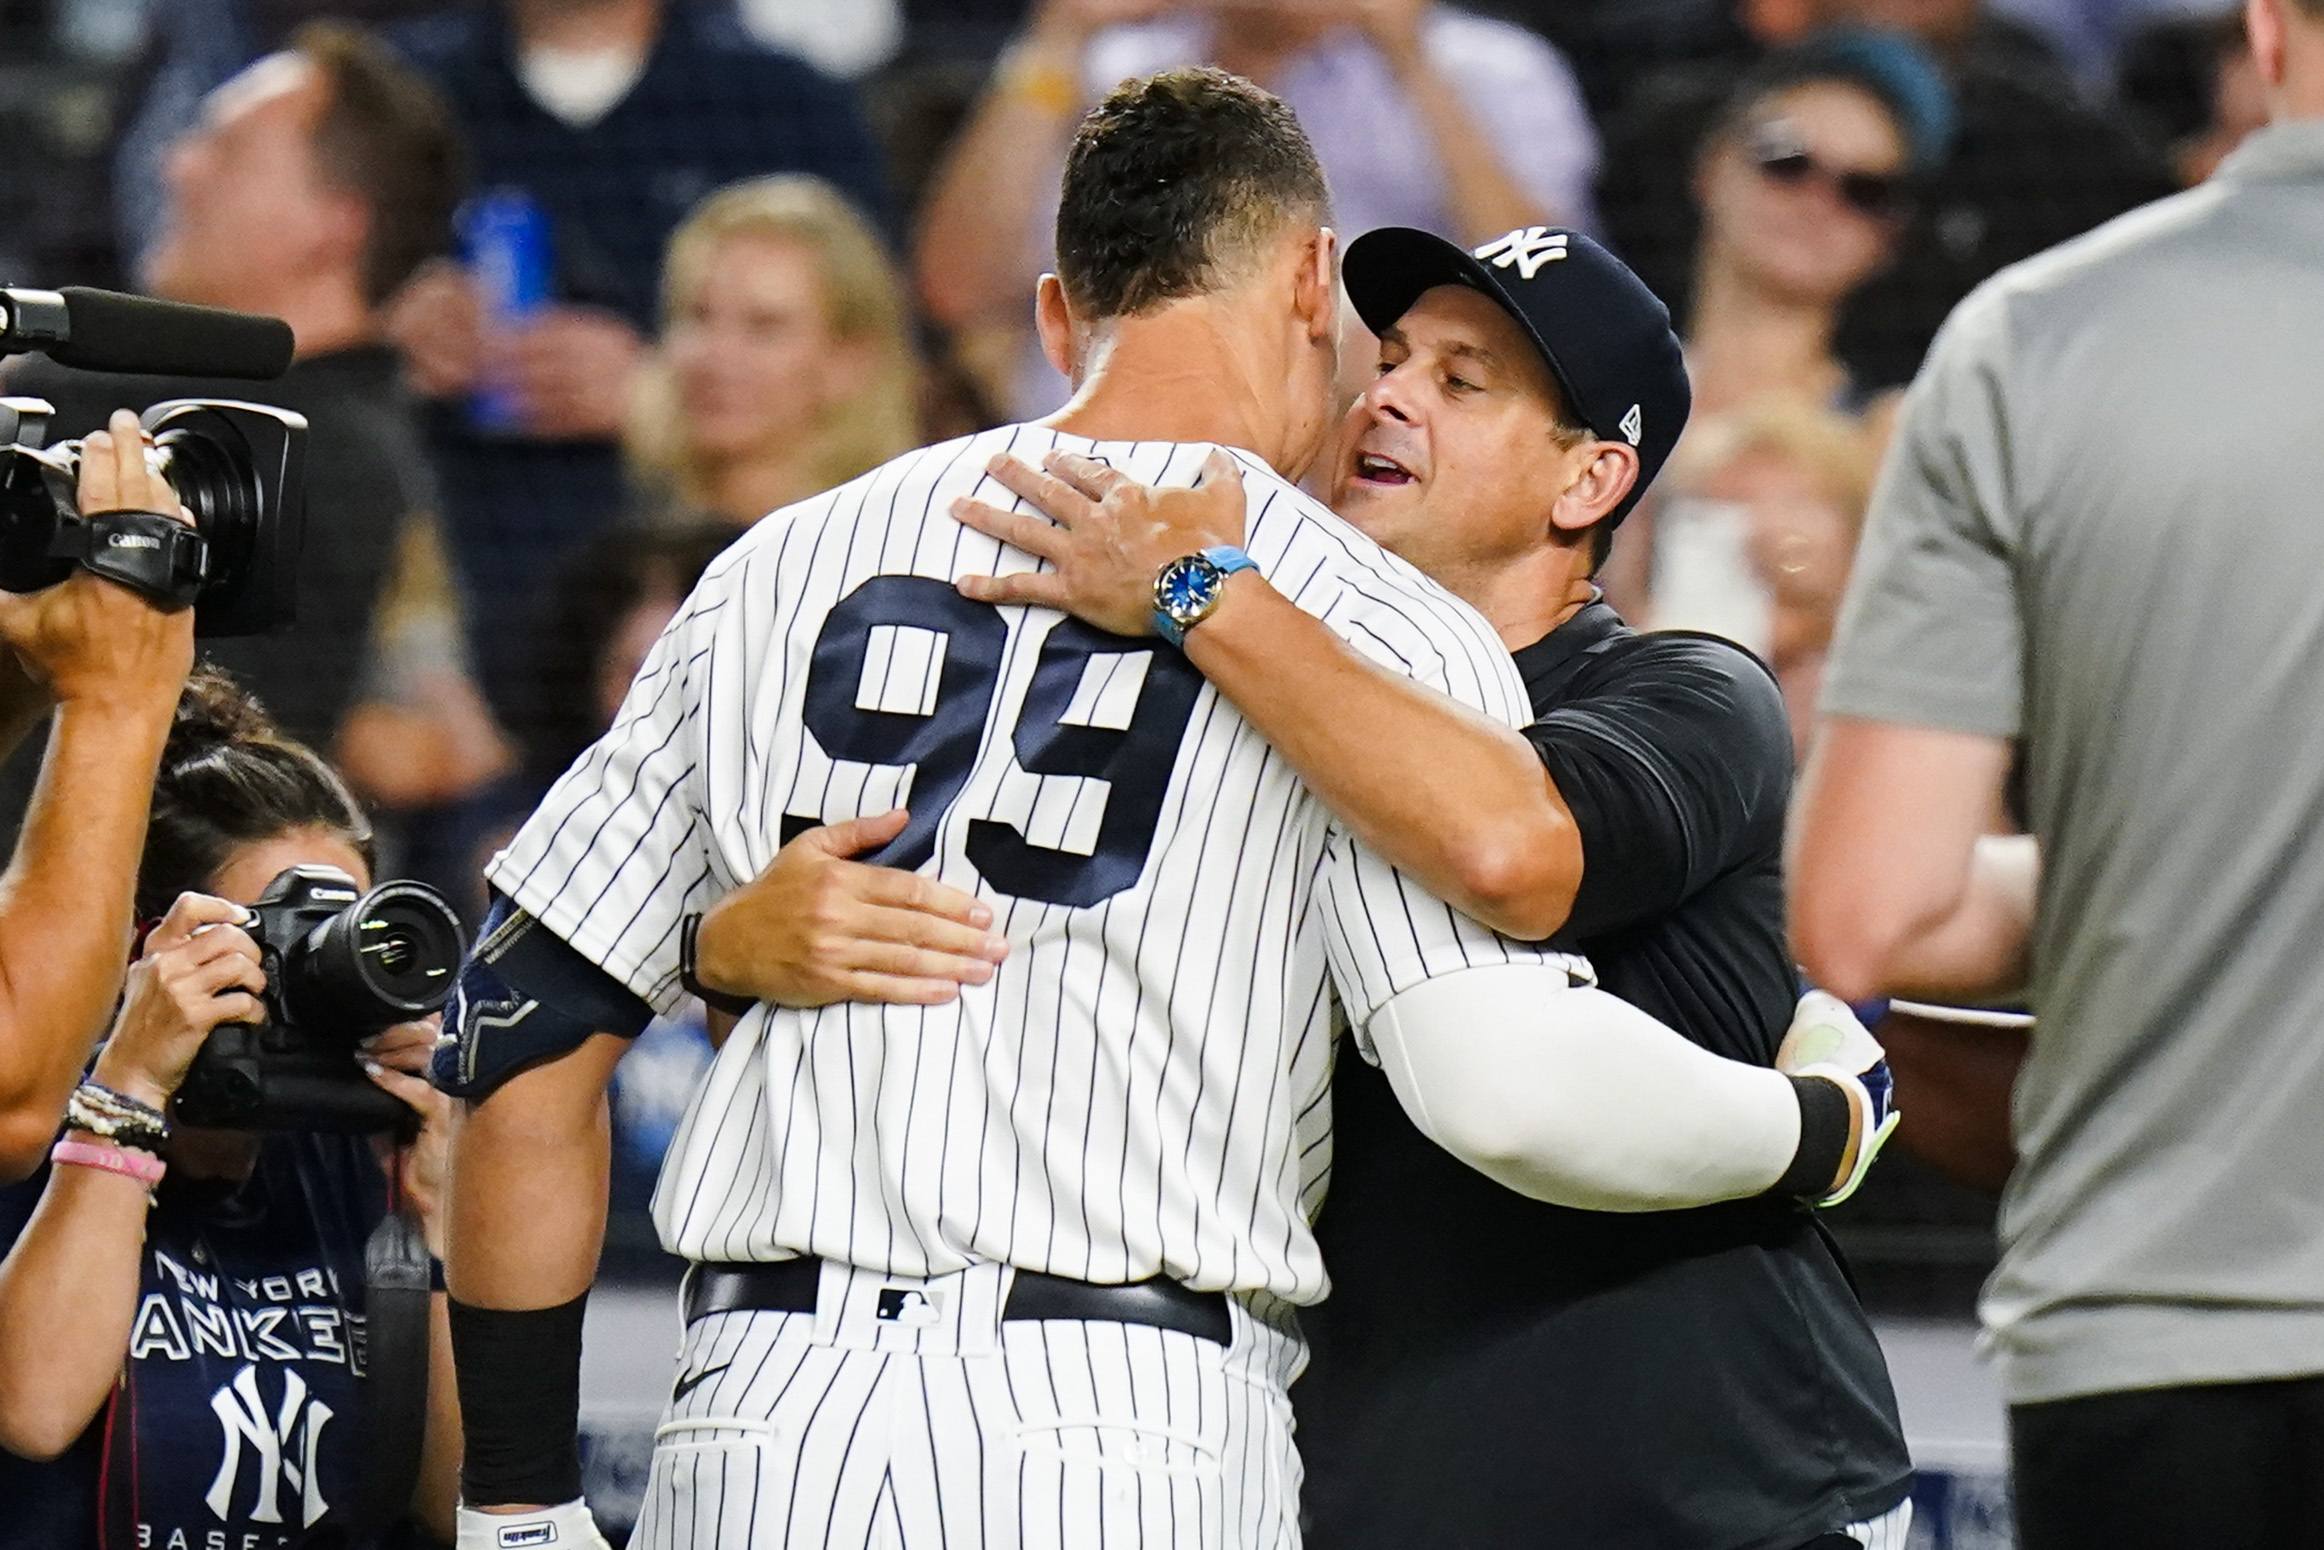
x: 2098, y: 547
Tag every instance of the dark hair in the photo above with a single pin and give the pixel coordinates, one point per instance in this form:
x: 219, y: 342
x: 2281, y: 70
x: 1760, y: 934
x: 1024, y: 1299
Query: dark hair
x: 1892, y: 68
x: 386, y: 137
x: 2167, y: 77
x: 1172, y: 181
x: 1601, y: 534
x: 587, y: 602
x: 230, y: 777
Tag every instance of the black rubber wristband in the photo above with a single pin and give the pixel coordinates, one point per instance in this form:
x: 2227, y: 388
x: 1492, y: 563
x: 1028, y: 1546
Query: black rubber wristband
x: 520, y: 1403
x: 689, y: 930
x: 1823, y: 1139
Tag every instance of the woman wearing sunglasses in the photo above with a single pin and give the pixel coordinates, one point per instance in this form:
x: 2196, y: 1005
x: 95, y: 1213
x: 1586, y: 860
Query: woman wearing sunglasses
x: 1805, y: 184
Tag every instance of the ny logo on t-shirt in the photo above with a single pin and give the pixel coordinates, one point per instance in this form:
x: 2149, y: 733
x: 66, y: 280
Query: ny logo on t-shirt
x: 281, y: 1442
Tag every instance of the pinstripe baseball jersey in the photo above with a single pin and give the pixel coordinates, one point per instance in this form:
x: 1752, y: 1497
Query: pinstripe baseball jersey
x: 1141, y: 1088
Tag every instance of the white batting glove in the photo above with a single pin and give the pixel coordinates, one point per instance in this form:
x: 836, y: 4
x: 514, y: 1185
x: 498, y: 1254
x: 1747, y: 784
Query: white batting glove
x: 569, y: 1527
x: 1826, y: 1040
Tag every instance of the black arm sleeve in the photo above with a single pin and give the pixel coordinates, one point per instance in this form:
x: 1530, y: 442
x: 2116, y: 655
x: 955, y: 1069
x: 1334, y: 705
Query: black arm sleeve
x: 1676, y: 768
x: 525, y: 996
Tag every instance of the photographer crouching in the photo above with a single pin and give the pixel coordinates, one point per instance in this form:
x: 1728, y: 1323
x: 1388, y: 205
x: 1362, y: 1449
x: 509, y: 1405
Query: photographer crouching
x: 183, y: 1336
x: 110, y: 663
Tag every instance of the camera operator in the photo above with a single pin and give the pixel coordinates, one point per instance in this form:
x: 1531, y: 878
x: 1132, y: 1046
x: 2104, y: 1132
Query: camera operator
x: 181, y: 1324
x: 316, y: 180
x: 111, y: 665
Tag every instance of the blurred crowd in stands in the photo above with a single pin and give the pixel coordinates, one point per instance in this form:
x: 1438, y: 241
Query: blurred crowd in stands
x: 582, y: 287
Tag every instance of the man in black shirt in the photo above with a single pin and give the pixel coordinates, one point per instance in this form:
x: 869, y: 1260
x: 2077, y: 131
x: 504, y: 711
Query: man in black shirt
x: 614, y: 118
x: 1490, y: 1370
x: 317, y: 181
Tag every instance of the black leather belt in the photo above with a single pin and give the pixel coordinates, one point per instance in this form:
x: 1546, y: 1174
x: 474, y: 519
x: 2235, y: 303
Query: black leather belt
x: 789, y: 1286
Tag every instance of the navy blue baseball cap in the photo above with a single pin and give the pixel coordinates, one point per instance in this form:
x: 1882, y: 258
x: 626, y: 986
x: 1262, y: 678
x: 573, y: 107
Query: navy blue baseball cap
x: 1606, y: 338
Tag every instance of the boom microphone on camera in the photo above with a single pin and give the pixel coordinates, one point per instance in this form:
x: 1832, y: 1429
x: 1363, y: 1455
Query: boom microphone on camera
x: 108, y: 331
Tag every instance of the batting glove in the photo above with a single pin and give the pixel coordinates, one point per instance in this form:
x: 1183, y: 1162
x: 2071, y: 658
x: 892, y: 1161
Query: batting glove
x: 569, y: 1527
x: 1826, y: 1040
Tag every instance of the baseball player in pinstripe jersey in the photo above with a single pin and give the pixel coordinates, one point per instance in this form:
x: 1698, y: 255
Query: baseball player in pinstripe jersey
x: 1018, y: 1268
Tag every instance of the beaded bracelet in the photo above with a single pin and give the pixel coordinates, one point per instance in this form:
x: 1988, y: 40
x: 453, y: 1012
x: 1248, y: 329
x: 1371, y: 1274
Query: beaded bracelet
x: 116, y: 1117
x: 111, y: 1159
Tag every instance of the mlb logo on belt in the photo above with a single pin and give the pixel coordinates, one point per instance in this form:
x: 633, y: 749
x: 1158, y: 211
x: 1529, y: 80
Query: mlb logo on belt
x: 906, y: 1305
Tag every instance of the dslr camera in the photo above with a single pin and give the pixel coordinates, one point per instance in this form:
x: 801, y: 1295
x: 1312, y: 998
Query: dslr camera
x: 341, y: 965
x: 239, y: 468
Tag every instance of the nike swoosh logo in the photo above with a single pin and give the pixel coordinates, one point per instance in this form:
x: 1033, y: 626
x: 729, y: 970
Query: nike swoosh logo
x: 688, y: 1385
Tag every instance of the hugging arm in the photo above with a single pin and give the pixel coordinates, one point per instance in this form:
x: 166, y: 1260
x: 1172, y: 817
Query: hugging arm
x: 1569, y: 1095
x: 1452, y: 797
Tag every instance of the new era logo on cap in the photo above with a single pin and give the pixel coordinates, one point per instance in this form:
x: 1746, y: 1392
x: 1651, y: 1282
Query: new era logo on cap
x: 1633, y: 425
x: 1528, y: 247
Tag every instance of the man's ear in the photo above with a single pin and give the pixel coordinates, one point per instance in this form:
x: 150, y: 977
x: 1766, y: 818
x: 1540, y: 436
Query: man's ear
x: 1605, y: 478
x: 2263, y: 23
x: 1317, y: 288
x: 1054, y: 320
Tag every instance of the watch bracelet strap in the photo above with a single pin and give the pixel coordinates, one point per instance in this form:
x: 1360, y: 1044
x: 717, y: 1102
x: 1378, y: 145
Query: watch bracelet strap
x: 689, y: 930
x: 1226, y: 559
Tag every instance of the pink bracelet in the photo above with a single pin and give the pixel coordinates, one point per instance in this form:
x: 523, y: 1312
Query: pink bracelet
x: 133, y: 1165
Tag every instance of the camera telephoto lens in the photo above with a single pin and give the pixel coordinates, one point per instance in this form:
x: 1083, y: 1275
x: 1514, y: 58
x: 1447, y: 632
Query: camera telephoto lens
x: 391, y: 956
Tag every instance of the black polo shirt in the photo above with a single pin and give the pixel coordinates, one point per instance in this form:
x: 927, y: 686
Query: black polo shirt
x: 1491, y: 1371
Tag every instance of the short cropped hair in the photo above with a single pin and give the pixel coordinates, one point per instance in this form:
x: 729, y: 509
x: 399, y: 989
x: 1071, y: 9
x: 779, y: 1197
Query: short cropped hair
x: 1173, y: 184
x: 386, y: 137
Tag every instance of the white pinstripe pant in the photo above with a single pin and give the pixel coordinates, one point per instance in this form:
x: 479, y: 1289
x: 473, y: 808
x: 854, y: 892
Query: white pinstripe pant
x: 939, y: 1426
x: 1890, y: 1531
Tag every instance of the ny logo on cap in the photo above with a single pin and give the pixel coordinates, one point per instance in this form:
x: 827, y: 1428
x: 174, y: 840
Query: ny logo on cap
x: 1528, y: 247
x: 1633, y: 425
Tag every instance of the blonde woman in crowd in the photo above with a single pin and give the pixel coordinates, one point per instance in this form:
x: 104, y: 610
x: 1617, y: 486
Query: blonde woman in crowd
x: 785, y: 365
x: 1789, y: 480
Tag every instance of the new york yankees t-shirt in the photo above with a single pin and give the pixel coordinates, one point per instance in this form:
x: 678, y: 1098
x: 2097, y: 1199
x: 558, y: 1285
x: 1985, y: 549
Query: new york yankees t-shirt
x: 234, y: 1427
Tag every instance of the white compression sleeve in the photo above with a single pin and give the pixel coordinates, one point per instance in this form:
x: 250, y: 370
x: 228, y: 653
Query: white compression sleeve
x: 1571, y: 1096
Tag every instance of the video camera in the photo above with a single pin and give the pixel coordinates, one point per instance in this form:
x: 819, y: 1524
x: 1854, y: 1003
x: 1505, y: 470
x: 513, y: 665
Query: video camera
x: 239, y: 468
x: 341, y: 965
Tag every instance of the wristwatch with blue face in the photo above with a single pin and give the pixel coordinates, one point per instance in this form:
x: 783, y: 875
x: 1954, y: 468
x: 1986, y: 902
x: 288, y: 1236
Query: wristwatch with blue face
x: 1188, y: 589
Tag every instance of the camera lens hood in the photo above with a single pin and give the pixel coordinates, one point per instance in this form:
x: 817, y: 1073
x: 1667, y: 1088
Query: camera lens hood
x: 391, y: 956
